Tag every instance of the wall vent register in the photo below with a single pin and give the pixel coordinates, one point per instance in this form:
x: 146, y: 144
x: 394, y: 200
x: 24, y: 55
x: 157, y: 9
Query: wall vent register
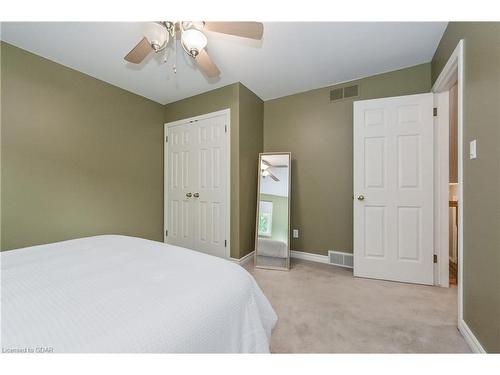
x: 344, y: 93
x: 340, y: 258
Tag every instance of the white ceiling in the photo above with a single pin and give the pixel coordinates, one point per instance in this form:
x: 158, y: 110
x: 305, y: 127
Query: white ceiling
x: 277, y: 159
x: 292, y: 57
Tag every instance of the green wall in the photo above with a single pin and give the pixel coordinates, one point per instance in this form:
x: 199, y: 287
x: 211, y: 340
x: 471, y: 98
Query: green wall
x: 481, y: 270
x: 319, y: 134
x: 279, y: 230
x: 251, y: 144
x: 246, y: 143
x: 1, y: 48
x: 79, y: 157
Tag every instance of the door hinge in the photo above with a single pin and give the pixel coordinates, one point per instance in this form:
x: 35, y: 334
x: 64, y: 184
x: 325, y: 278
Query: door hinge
x: 435, y: 258
x: 225, y: 128
x: 166, y: 232
x: 225, y: 243
x: 435, y: 111
x: 166, y: 139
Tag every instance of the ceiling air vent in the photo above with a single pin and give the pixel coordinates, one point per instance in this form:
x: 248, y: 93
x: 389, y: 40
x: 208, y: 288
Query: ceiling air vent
x: 336, y: 94
x: 350, y: 91
x: 344, y: 93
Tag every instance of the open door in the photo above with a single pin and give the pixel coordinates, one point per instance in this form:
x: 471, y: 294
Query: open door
x: 393, y: 188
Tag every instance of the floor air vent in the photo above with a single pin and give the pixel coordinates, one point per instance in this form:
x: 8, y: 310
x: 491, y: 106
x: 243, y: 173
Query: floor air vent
x: 339, y: 258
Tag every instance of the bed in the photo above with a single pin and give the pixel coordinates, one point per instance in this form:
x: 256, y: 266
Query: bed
x: 272, y: 248
x: 109, y: 294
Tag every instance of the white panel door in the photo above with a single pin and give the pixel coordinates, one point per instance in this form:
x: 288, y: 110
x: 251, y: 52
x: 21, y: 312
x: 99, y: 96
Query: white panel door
x: 393, y: 189
x: 211, y: 180
x: 181, y: 182
x: 197, y: 178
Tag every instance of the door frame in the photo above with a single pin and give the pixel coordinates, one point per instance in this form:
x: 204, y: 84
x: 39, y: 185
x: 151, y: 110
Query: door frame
x: 453, y: 72
x: 190, y: 120
x: 441, y: 189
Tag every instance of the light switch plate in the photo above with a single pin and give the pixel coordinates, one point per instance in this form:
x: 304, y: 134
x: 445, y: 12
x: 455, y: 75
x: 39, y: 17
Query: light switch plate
x: 295, y: 233
x: 472, y: 149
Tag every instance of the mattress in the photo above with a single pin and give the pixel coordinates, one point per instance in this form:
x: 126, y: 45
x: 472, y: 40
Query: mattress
x: 109, y: 294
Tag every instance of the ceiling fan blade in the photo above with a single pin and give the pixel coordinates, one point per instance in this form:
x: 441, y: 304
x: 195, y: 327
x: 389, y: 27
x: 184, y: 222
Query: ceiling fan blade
x: 207, y: 65
x: 139, y: 52
x: 273, y: 177
x: 253, y: 30
x: 265, y: 162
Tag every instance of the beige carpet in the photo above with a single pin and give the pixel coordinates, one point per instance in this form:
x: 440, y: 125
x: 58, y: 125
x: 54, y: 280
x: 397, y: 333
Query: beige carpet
x: 324, y: 309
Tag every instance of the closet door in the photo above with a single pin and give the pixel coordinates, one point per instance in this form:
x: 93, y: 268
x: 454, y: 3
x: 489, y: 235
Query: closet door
x: 210, y: 195
x: 196, y: 184
x: 181, y: 182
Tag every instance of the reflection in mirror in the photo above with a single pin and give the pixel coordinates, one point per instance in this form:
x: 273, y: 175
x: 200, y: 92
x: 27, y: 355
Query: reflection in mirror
x: 272, y: 239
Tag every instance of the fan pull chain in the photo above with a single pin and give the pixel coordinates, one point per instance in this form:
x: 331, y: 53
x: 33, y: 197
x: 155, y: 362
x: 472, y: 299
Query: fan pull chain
x: 167, y: 38
x: 175, y: 55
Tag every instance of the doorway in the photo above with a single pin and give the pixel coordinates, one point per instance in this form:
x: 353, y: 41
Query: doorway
x: 453, y: 201
x: 451, y: 75
x: 447, y: 187
x: 376, y: 249
x: 196, y: 183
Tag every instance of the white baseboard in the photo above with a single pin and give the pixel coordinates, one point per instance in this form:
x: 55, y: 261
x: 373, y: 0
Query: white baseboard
x: 294, y: 254
x: 470, y: 338
x: 309, y: 256
x: 243, y: 260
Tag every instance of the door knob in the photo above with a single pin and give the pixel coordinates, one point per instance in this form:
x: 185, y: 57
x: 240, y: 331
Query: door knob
x: 361, y: 197
x: 196, y: 195
x: 189, y: 195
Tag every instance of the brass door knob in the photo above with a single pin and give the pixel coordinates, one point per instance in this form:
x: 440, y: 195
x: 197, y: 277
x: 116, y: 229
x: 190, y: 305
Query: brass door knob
x: 189, y: 195
x: 196, y: 195
x: 361, y: 197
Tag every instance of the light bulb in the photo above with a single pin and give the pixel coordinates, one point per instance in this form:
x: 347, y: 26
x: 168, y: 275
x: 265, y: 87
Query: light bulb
x: 194, y: 41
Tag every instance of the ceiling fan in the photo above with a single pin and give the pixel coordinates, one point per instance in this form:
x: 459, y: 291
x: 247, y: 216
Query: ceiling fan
x: 192, y: 39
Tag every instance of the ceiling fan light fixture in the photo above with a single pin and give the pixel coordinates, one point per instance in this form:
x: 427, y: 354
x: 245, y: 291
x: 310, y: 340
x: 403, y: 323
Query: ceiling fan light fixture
x: 186, y: 25
x: 163, y: 34
x: 193, y: 41
x: 158, y: 35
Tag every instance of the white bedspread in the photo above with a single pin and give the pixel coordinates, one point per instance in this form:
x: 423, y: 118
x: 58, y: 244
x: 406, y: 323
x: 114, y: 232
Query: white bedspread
x: 125, y: 294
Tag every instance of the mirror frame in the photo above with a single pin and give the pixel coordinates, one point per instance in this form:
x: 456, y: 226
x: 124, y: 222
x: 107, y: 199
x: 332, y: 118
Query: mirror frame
x: 287, y: 268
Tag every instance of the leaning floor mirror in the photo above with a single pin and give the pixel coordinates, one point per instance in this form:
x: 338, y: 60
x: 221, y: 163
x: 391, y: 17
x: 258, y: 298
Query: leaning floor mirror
x: 272, y: 237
